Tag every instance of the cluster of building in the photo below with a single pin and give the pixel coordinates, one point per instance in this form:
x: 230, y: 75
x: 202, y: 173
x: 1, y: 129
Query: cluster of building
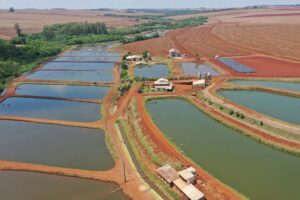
x: 183, y: 181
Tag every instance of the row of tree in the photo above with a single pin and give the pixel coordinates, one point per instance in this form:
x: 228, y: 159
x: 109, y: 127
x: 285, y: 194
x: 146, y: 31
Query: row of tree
x: 74, y: 29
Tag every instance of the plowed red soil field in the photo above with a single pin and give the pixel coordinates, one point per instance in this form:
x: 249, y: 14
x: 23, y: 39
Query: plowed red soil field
x: 189, y: 41
x: 265, y: 67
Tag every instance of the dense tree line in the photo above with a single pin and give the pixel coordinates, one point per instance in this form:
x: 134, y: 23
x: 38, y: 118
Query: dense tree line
x: 15, y: 60
x: 75, y: 29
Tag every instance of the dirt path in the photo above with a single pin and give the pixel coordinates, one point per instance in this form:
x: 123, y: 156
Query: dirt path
x: 157, y: 136
x: 211, y: 93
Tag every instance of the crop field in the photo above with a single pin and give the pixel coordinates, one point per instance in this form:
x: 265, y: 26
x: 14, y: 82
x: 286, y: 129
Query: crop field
x: 32, y: 21
x: 232, y: 33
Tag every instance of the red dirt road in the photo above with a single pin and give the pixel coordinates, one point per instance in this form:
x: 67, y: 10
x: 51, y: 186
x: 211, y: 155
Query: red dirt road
x: 164, y: 145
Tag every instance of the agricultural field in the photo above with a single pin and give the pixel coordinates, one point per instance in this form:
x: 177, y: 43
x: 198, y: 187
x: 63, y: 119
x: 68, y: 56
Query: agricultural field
x: 121, y: 104
x: 32, y: 21
x: 229, y: 33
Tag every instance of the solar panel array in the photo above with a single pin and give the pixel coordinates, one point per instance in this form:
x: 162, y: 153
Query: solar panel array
x: 236, y: 65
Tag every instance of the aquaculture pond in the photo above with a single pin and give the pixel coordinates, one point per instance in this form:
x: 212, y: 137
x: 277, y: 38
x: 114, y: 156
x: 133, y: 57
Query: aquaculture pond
x: 53, y: 145
x: 286, y: 108
x: 104, y: 58
x: 63, y: 91
x: 151, y: 71
x: 88, y: 76
x: 35, y: 186
x: 50, y: 109
x: 270, y: 84
x: 254, y: 169
x: 78, y: 66
x: 91, y: 52
x: 193, y: 69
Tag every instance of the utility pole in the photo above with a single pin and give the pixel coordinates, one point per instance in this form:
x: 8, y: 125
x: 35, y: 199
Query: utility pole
x: 124, y: 172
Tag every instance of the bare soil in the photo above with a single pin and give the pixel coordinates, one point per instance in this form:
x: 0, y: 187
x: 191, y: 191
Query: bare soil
x: 32, y: 21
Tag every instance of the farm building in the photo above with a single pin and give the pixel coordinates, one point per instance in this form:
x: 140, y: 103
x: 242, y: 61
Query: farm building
x: 163, y: 84
x: 183, y: 181
x: 168, y: 173
x: 134, y: 58
x: 199, y: 83
x: 174, y: 53
x: 189, y: 175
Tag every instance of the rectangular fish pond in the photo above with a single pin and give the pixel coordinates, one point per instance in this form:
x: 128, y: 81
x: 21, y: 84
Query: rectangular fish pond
x: 193, y: 69
x: 253, y: 169
x: 51, y: 109
x: 282, y: 107
x: 63, y: 91
x: 102, y: 57
x: 78, y: 66
x: 90, y: 53
x: 53, y: 145
x: 88, y: 76
x: 35, y: 186
x: 151, y: 71
x: 282, y: 85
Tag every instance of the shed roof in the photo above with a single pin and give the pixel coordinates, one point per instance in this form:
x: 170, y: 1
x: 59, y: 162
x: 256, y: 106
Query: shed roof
x: 133, y: 57
x: 186, y: 174
x: 179, y: 183
x: 168, y: 173
x: 199, y: 82
x: 192, y: 192
x: 161, y: 81
x: 174, y: 50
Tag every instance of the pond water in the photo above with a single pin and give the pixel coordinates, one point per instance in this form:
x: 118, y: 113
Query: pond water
x: 35, y: 186
x: 78, y: 66
x: 51, y: 109
x: 254, y: 169
x: 63, y: 91
x: 99, y: 58
x: 152, y: 71
x: 271, y: 84
x: 54, y: 145
x: 285, y: 108
x: 88, y: 76
x: 193, y: 69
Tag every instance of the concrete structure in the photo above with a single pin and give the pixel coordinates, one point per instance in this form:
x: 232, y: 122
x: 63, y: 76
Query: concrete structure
x: 134, y: 58
x: 189, y: 175
x: 189, y: 190
x: 183, y: 181
x: 168, y: 173
x: 174, y: 53
x: 163, y: 84
x: 199, y: 83
x: 192, y: 193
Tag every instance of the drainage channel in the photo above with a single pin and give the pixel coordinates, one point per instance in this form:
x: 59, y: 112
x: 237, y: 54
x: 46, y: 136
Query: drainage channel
x: 136, y: 163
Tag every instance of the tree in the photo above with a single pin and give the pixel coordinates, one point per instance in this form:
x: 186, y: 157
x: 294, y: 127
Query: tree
x: 48, y: 32
x: 197, y: 56
x: 18, y: 29
x: 145, y: 54
x: 11, y: 9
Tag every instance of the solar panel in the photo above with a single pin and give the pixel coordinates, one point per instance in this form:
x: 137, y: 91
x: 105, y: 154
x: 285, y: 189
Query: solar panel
x: 239, y: 67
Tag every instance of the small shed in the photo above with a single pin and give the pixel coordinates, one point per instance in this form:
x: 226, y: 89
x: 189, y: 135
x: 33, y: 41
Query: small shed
x: 199, y: 83
x: 134, y: 58
x: 174, y: 53
x: 163, y: 84
x: 168, y: 173
x: 188, y: 176
x: 193, y: 193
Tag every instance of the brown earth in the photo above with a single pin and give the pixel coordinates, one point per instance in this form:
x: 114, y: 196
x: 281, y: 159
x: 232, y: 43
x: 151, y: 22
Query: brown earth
x: 32, y: 21
x: 228, y: 34
x: 271, y: 67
